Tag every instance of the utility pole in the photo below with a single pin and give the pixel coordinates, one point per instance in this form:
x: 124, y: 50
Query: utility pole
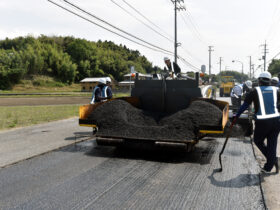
x: 253, y: 68
x: 264, y: 54
x: 177, y: 6
x: 210, y: 51
x: 220, y: 64
x: 250, y: 66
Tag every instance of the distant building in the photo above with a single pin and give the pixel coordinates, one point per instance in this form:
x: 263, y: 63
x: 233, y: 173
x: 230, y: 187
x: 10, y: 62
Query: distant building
x: 130, y: 77
x: 88, y: 84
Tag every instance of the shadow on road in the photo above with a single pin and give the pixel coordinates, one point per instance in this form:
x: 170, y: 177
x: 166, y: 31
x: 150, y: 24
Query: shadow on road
x: 201, y: 155
x: 79, y: 135
x: 242, y: 180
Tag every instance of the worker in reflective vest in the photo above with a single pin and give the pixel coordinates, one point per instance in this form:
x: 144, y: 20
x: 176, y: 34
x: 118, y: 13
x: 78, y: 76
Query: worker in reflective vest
x: 107, y: 91
x: 99, y: 92
x: 266, y: 100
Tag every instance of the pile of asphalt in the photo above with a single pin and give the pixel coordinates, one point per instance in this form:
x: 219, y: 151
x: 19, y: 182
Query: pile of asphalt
x: 118, y: 118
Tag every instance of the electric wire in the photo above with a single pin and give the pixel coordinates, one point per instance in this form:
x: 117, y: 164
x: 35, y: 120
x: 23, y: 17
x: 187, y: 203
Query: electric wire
x: 187, y: 52
x: 127, y: 38
x: 274, y: 24
x: 141, y: 21
x: 166, y: 52
x: 194, y: 26
x: 138, y: 12
x: 127, y: 33
x: 189, y: 64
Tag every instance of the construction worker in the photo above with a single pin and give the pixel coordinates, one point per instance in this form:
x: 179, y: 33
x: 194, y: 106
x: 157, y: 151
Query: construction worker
x: 98, y: 95
x: 267, y: 118
x: 173, y: 67
x: 168, y: 64
x: 237, y: 93
x: 107, y: 91
x: 274, y: 81
x: 279, y: 80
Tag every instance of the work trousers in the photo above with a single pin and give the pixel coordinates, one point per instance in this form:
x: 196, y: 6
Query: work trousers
x: 267, y: 129
x: 236, y: 103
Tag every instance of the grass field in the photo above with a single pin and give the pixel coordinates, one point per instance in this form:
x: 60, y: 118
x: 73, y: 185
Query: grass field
x: 11, y: 117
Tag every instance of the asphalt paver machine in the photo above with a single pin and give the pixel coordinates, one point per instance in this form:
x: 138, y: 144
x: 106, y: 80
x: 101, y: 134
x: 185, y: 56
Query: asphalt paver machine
x: 168, y: 96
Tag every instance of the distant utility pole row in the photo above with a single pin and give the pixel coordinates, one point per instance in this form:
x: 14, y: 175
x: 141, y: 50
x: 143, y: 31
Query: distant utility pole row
x: 251, y: 66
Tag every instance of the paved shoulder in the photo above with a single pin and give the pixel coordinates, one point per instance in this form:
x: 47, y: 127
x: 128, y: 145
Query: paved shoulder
x: 23, y: 143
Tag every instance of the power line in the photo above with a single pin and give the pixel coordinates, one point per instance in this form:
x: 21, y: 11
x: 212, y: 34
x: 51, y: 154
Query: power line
x: 274, y: 23
x: 141, y: 21
x: 153, y: 29
x: 165, y: 52
x: 193, y: 24
x: 158, y: 49
x: 138, y: 12
x: 135, y: 37
x: 188, y: 64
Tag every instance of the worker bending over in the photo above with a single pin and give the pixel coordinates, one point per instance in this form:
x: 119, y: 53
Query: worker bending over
x: 99, y: 93
x: 266, y: 100
x: 173, y: 68
x: 237, y: 93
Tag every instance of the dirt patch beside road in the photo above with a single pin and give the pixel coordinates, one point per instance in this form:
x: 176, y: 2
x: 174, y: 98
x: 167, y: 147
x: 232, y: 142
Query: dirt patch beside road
x: 31, y: 101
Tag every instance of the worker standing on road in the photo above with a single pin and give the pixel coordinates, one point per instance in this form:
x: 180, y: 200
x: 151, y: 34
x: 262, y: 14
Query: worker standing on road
x: 274, y: 81
x: 266, y: 100
x: 107, y: 91
x: 97, y: 95
x: 237, y: 93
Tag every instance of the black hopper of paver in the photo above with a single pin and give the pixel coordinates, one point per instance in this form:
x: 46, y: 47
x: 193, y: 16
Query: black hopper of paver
x: 119, y: 118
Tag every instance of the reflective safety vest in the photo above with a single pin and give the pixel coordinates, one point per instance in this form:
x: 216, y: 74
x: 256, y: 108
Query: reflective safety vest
x: 104, y: 92
x: 93, y: 95
x: 268, y: 102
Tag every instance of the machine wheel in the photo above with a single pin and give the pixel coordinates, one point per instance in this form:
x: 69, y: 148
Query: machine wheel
x: 221, y: 92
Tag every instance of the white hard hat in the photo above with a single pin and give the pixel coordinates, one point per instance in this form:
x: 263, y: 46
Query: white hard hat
x: 166, y: 59
x: 275, y: 79
x: 108, y: 79
x: 249, y: 84
x: 265, y: 74
x: 102, y: 81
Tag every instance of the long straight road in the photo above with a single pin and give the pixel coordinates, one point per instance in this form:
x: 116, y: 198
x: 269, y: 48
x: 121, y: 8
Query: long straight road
x: 87, y: 176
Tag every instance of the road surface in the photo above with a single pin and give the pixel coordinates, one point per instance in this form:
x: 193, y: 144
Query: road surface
x: 87, y: 176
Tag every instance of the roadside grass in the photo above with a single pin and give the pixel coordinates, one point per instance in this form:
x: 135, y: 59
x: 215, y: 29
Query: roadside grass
x: 41, y: 84
x: 69, y: 94
x: 19, y: 116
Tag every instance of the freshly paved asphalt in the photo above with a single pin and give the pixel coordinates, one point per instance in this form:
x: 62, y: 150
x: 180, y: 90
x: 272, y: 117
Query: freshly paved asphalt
x: 87, y: 176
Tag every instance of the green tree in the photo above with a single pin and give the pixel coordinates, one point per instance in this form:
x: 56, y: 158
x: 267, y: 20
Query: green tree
x: 274, y: 67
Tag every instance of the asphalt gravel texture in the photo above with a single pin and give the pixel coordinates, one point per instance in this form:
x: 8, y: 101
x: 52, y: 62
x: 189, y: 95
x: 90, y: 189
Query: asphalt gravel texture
x: 118, y: 118
x: 86, y: 176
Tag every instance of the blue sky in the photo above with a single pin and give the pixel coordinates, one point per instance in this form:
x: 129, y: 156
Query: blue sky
x: 236, y: 29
